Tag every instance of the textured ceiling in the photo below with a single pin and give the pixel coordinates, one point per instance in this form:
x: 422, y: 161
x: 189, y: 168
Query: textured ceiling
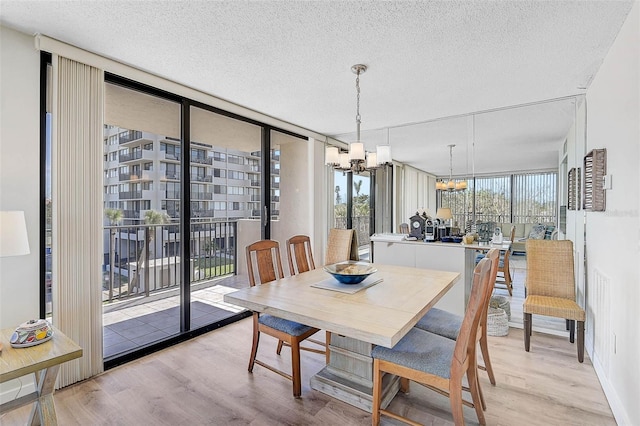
x: 426, y: 59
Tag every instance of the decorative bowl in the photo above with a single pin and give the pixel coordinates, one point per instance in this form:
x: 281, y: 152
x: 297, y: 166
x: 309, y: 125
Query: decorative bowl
x: 350, y: 272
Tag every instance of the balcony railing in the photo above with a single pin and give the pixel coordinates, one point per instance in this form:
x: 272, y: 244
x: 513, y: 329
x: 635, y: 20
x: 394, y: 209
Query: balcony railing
x: 144, y: 260
x: 123, y: 158
x: 203, y: 213
x: 201, y: 160
x: 132, y: 135
x: 131, y: 214
x: 202, y: 178
x: 360, y: 224
x: 129, y: 195
x: 202, y: 195
x: 172, y: 176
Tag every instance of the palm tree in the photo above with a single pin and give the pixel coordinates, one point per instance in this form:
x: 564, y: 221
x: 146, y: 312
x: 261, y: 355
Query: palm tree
x: 151, y: 217
x: 114, y: 216
x: 338, y: 198
x: 356, y: 186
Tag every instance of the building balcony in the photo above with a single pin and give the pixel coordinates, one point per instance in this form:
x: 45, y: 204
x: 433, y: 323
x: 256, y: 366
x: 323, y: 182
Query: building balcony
x: 171, y: 176
x: 129, y: 195
x: 202, y: 195
x: 131, y: 214
x: 200, y: 214
x: 131, y: 136
x: 201, y: 178
x: 199, y: 160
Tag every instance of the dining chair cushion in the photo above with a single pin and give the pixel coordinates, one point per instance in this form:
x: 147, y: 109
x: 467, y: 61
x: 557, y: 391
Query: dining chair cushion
x: 290, y: 327
x: 422, y: 351
x: 553, y: 306
x: 443, y: 323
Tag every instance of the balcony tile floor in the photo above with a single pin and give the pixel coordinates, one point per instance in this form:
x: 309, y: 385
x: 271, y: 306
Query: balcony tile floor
x: 137, y: 325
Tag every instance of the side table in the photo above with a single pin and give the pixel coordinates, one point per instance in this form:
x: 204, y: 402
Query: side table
x: 44, y: 361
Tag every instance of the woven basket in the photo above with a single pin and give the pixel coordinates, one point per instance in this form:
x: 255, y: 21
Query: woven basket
x: 501, y: 302
x: 497, y: 322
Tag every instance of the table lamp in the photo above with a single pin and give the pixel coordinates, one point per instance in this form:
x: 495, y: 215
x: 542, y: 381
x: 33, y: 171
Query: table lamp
x: 13, y: 235
x: 444, y: 213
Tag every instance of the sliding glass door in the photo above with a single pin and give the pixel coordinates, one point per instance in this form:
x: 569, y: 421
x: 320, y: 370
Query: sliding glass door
x: 227, y: 209
x: 142, y: 193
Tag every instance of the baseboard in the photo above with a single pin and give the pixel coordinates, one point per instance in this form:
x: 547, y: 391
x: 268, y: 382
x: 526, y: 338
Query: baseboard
x: 561, y: 333
x: 16, y: 388
x: 617, y: 408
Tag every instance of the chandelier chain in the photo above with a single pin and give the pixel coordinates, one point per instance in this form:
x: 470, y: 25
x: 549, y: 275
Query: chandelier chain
x: 358, y: 103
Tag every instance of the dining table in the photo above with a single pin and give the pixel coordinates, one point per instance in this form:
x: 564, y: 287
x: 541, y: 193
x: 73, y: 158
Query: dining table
x: 378, y: 311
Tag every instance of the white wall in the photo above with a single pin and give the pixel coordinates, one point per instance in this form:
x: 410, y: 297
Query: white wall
x: 20, y: 171
x: 613, y: 236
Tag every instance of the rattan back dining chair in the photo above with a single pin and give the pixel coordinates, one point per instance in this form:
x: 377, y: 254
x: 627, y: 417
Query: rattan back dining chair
x: 448, y: 324
x: 436, y: 361
x: 265, y: 255
x: 342, y: 245
x: 503, y: 266
x: 551, y: 288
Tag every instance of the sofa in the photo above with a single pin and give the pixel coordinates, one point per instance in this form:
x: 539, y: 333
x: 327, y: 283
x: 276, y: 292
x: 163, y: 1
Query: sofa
x: 527, y: 230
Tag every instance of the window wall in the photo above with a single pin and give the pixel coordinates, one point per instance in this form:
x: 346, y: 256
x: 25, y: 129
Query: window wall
x: 515, y: 198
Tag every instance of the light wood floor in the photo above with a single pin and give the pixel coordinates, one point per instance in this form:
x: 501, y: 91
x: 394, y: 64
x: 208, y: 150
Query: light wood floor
x: 205, y: 382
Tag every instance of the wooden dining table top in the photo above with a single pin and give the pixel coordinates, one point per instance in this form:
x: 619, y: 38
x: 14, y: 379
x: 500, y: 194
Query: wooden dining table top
x: 381, y: 314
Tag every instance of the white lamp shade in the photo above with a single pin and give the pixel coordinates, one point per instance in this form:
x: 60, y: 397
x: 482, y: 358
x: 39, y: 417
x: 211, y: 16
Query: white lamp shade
x: 372, y: 161
x: 13, y: 234
x: 444, y: 213
x: 344, y: 161
x: 461, y: 185
x: 451, y: 185
x: 332, y: 156
x: 356, y: 151
x: 384, y: 154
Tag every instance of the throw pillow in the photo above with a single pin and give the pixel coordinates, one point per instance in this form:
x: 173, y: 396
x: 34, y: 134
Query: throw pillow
x: 548, y: 231
x: 537, y: 232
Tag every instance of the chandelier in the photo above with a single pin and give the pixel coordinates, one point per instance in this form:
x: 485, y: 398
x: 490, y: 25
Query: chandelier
x: 357, y: 160
x: 451, y: 185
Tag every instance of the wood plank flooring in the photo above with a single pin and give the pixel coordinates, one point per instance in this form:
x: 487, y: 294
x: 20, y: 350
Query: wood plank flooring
x: 205, y: 382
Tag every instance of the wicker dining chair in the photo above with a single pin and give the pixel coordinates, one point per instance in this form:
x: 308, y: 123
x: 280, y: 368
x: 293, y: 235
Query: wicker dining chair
x: 551, y: 288
x: 436, y: 361
x: 447, y: 324
x: 342, y: 245
x: 503, y: 266
x: 266, y: 256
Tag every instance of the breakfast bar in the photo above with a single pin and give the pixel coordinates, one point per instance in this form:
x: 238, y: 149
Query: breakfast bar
x: 393, y: 249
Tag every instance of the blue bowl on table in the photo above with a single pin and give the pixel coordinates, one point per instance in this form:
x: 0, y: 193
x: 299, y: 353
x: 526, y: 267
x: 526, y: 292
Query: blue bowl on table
x: 350, y: 272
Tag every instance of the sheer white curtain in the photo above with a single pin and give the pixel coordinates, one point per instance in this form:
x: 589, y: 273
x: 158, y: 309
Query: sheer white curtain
x: 77, y: 218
